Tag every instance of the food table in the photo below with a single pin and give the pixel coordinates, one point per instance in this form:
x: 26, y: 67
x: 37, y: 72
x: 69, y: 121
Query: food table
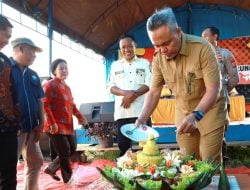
x: 237, y: 108
x: 164, y: 113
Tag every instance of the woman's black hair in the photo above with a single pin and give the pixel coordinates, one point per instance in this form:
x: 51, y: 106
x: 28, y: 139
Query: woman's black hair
x: 55, y: 63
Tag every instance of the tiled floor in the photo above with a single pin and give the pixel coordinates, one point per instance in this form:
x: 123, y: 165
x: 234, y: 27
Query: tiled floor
x: 243, y: 181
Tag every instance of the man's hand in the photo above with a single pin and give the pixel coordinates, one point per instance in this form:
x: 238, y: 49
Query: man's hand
x: 128, y: 99
x: 189, y: 125
x: 38, y: 132
x: 139, y: 123
x: 19, y: 132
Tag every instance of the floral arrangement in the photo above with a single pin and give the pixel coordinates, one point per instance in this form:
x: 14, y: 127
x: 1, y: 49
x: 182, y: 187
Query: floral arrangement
x: 175, y: 172
x: 102, y: 129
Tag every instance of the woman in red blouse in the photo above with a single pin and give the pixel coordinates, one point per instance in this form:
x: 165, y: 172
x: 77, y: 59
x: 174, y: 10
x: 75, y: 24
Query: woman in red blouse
x: 59, y: 109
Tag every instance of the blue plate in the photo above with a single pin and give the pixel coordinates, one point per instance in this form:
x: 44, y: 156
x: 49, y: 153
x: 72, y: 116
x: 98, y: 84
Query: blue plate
x: 140, y: 133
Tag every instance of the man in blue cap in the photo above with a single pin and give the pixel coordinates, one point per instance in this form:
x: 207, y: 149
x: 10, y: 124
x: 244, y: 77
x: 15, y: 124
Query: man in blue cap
x: 30, y: 93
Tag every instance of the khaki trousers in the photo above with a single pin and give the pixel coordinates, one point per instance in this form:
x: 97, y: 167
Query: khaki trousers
x: 33, y: 159
x: 208, y: 146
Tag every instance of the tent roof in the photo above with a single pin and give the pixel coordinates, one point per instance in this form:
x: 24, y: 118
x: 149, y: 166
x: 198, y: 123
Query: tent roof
x: 98, y: 24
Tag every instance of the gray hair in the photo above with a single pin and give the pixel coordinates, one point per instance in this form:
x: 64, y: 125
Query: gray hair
x: 161, y: 17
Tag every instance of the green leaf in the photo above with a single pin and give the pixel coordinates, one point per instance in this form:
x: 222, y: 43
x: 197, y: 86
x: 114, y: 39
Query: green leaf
x: 194, y: 184
x: 113, y: 181
x: 138, y: 186
x: 223, y: 182
x: 165, y: 185
x: 148, y: 184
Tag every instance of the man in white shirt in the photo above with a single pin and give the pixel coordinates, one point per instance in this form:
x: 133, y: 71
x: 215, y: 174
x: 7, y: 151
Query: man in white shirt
x: 129, y: 81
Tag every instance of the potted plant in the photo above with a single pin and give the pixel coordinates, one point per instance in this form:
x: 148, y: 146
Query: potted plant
x: 104, y: 132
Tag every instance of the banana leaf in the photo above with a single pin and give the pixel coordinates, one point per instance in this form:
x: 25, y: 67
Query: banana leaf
x: 114, y: 181
x: 216, y: 168
x: 205, y: 178
x: 204, y: 181
x: 223, y: 181
x: 165, y: 185
x: 138, y: 186
x: 141, y: 186
x: 145, y: 177
x: 193, y: 185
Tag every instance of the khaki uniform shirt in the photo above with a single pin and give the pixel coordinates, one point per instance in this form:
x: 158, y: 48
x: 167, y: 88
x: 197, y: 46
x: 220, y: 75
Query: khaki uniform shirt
x: 187, y: 75
x: 129, y: 76
x: 228, y: 68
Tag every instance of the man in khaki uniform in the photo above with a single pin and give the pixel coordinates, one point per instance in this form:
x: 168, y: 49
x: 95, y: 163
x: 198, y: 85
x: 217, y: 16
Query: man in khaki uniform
x: 188, y: 65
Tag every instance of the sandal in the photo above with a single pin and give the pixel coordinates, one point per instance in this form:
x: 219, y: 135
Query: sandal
x: 53, y: 175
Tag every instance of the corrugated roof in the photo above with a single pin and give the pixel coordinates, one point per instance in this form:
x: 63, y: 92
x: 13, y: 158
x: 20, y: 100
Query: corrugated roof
x: 97, y: 24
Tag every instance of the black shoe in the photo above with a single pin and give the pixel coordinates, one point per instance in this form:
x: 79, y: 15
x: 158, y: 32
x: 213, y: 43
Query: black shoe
x: 53, y: 175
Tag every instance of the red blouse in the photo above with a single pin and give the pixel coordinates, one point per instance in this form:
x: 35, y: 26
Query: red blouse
x: 59, y: 107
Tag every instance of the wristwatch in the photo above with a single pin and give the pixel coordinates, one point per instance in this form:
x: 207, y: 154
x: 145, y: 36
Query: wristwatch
x: 198, y: 115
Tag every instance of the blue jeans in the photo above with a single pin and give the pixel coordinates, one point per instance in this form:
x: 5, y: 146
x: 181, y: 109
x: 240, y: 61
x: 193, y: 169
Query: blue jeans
x: 8, y: 160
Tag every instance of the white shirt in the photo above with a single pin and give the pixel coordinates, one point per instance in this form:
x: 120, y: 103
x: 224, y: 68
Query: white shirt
x: 129, y: 76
